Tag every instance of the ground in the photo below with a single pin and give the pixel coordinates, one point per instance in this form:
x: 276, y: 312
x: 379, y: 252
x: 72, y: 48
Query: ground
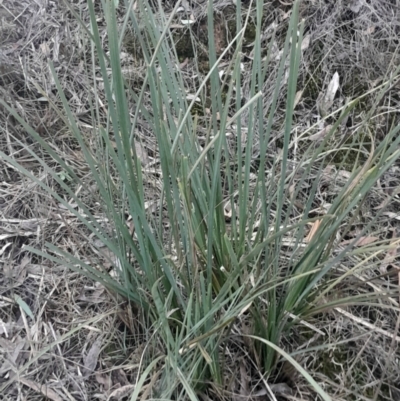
x: 66, y: 337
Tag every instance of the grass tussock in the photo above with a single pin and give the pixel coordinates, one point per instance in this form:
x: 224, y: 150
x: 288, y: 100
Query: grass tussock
x: 214, y: 224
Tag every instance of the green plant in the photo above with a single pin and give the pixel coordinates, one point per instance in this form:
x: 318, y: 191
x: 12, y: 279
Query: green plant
x: 199, y: 274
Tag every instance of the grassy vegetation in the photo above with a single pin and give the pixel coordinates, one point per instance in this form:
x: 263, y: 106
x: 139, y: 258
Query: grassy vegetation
x: 220, y: 241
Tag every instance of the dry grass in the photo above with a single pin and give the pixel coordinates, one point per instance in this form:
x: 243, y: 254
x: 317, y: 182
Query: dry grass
x: 68, y: 338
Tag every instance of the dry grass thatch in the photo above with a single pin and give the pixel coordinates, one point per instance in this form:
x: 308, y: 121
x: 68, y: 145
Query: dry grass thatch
x: 66, y: 338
